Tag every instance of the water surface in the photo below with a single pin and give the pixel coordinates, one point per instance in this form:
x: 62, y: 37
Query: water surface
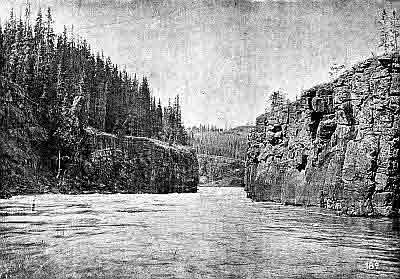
x: 216, y: 233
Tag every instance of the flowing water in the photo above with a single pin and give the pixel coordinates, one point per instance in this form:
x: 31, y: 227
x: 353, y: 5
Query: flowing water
x: 215, y: 233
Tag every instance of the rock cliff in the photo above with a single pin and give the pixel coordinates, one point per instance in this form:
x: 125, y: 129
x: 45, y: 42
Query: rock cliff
x: 133, y: 165
x: 337, y: 146
x: 107, y: 164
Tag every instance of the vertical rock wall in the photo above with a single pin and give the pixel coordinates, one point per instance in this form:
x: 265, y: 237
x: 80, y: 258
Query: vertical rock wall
x: 338, y: 146
x: 133, y: 165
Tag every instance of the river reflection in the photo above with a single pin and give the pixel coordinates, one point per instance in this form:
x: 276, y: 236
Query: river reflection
x: 215, y: 233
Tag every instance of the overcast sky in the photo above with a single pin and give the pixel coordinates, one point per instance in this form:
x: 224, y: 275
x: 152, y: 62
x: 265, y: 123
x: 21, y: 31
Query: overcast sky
x: 222, y: 57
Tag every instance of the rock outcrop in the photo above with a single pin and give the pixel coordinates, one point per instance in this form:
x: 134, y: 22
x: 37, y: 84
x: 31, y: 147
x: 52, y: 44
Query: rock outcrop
x: 219, y: 171
x: 337, y: 146
x: 133, y: 165
x: 107, y: 164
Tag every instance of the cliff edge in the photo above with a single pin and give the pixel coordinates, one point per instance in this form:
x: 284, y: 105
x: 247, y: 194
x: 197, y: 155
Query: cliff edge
x: 337, y: 146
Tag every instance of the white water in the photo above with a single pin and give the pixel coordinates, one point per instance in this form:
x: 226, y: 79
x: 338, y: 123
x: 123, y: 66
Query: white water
x: 216, y: 233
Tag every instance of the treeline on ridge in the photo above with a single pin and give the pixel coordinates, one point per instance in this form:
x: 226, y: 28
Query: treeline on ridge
x: 73, y: 88
x: 231, y: 143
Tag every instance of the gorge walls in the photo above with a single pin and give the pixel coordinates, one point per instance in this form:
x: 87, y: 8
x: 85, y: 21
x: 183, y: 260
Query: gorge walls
x: 107, y: 164
x: 337, y: 146
x: 134, y: 165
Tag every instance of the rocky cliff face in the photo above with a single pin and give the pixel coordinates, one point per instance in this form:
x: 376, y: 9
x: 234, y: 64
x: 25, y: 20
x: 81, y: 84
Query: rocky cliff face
x: 219, y: 171
x: 108, y: 164
x: 132, y: 165
x: 338, y: 146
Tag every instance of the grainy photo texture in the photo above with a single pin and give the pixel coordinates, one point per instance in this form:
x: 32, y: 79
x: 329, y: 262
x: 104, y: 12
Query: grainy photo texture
x: 183, y: 139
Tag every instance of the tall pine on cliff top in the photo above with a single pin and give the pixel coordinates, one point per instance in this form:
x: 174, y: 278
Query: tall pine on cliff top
x: 388, y: 24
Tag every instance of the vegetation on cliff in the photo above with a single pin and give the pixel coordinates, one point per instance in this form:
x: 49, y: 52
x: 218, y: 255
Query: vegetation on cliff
x: 52, y: 87
x: 59, y: 72
x: 336, y: 146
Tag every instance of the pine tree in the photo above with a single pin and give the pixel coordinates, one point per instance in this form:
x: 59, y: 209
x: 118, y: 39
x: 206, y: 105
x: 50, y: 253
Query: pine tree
x: 153, y: 118
x: 159, y: 121
x: 179, y: 130
x: 144, y: 104
x: 50, y: 63
x: 388, y: 27
x: 2, y: 50
x: 76, y: 88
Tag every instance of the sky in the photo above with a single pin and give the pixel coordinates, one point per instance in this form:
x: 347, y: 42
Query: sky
x: 223, y: 57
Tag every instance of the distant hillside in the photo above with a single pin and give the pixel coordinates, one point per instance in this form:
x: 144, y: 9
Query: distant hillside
x: 218, y: 171
x: 240, y: 130
x: 231, y: 143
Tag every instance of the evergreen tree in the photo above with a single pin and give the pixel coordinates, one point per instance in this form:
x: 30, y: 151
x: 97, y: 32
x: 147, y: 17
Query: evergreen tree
x: 159, y: 121
x: 144, y: 112
x: 153, y: 118
x: 75, y: 88
x: 2, y: 50
x: 388, y: 27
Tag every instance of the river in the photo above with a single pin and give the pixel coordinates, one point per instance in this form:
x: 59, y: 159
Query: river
x: 215, y: 233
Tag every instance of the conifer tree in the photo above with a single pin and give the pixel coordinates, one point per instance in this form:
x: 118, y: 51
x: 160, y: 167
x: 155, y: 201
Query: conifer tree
x: 159, y: 120
x: 2, y: 50
x: 76, y: 88
x: 388, y: 27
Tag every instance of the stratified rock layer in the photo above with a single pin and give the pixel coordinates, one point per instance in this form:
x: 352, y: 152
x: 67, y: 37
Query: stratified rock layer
x: 107, y: 164
x: 132, y: 165
x: 337, y: 146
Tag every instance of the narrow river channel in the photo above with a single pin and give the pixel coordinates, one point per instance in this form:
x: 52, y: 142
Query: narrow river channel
x: 215, y: 233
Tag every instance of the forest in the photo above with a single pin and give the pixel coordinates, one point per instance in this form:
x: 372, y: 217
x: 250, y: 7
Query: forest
x: 210, y: 140
x: 67, y: 86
